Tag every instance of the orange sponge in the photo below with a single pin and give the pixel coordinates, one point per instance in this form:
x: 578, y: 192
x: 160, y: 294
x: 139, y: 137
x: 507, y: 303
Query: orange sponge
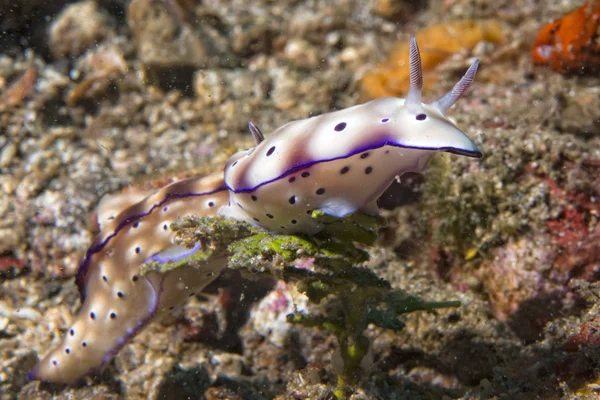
x: 438, y: 43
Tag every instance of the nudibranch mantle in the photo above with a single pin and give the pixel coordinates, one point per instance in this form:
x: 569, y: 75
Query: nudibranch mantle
x: 341, y: 162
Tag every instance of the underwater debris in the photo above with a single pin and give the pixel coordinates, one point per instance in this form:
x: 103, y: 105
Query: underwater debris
x: 8, y: 263
x: 588, y: 333
x: 440, y: 42
x: 105, y: 66
x: 20, y: 89
x: 570, y: 44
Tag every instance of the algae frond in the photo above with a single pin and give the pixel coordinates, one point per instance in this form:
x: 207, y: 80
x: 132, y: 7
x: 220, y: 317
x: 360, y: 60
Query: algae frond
x: 326, y: 267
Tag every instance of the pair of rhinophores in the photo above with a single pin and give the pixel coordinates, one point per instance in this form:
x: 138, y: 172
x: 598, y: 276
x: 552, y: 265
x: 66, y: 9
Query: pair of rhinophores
x: 339, y: 162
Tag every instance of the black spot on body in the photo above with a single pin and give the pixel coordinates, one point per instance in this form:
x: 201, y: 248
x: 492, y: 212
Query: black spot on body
x: 211, y: 203
x: 135, y: 278
x: 294, y: 221
x: 270, y: 216
x: 292, y: 200
x: 256, y: 219
x: 292, y: 179
x: 270, y: 151
x: 72, y: 332
x: 138, y: 250
x: 166, y: 227
x: 421, y: 117
x: 113, y: 315
x: 320, y: 191
x: 165, y: 209
x: 385, y: 120
x: 254, y: 198
x: 340, y: 127
x: 364, y: 155
x: 305, y: 174
x: 92, y: 315
x: 54, y: 363
x: 120, y: 295
x: 84, y: 344
x: 136, y: 224
x: 234, y: 164
x: 104, y: 278
x: 68, y: 351
x: 368, y: 170
x: 344, y: 170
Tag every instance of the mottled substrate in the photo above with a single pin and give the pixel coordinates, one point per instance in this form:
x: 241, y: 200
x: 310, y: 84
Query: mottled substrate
x: 79, y: 128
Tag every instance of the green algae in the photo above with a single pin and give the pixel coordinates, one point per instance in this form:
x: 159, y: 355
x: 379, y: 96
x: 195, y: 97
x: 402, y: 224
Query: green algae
x: 473, y: 211
x: 325, y: 266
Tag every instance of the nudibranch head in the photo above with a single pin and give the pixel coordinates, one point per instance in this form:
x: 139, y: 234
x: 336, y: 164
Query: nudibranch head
x: 341, y: 162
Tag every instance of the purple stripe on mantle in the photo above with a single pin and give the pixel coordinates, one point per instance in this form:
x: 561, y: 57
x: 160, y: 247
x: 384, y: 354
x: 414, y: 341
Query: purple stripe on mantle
x: 374, y: 146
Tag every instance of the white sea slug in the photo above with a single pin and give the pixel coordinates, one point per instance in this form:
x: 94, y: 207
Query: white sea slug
x: 341, y: 162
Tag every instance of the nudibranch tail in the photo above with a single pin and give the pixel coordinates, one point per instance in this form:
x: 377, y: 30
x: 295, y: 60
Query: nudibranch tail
x: 117, y: 300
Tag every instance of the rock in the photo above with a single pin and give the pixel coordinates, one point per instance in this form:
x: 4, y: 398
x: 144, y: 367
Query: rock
x: 396, y: 10
x: 166, y: 39
x: 15, y: 366
x: 7, y: 153
x: 253, y: 34
x: 301, y: 53
x: 77, y: 28
x: 580, y: 113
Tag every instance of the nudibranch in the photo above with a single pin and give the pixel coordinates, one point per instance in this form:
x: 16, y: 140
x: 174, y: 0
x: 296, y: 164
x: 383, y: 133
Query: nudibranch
x: 117, y: 300
x: 341, y: 162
